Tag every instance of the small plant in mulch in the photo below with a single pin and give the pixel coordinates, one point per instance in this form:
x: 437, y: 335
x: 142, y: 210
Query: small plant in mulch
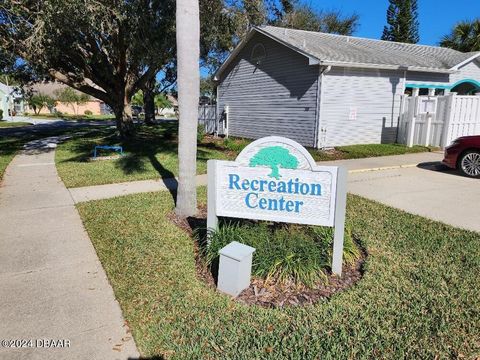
x: 291, y: 264
x: 235, y: 144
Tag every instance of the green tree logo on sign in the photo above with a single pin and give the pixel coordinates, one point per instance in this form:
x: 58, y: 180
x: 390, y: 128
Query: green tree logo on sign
x: 274, y: 157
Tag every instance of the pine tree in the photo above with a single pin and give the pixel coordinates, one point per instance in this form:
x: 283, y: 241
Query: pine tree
x: 402, y: 20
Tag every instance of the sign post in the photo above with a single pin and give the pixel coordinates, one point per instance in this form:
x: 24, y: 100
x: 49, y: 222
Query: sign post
x: 339, y: 226
x: 276, y: 179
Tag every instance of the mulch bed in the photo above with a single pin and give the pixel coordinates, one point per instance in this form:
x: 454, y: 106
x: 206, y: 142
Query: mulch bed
x: 270, y: 294
x: 216, y: 143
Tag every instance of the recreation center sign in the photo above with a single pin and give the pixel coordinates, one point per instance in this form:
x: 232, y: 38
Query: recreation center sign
x: 276, y: 179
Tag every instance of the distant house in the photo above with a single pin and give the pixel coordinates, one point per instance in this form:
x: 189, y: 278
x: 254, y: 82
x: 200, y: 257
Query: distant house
x: 172, y: 110
x: 95, y: 106
x: 11, y: 103
x: 327, y: 90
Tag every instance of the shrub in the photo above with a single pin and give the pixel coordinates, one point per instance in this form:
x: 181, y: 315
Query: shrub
x: 200, y: 133
x: 88, y: 112
x: 1, y: 114
x: 235, y: 144
x: 283, y: 251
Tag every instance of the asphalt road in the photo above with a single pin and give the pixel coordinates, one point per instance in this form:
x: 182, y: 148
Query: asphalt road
x: 429, y: 190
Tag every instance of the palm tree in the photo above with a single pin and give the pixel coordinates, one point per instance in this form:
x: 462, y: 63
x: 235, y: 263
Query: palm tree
x: 464, y: 37
x: 188, y: 52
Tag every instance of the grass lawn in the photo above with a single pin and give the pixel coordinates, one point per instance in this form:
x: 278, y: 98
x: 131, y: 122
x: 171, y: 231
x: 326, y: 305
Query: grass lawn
x: 73, y: 117
x: 152, y: 154
x: 365, y: 151
x: 8, y: 148
x: 419, y: 297
x: 10, y: 144
x: 8, y: 124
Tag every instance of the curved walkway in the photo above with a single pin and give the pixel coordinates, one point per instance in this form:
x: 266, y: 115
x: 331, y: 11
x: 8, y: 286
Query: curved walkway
x: 52, y: 284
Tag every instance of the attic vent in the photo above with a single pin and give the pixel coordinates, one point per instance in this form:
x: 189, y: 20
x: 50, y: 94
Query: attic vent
x: 258, y: 54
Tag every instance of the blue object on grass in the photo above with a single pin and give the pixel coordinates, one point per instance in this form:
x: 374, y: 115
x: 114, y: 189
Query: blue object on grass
x: 107, y: 147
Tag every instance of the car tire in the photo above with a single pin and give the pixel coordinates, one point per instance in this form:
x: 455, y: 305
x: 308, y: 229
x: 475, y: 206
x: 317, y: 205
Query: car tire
x: 469, y: 163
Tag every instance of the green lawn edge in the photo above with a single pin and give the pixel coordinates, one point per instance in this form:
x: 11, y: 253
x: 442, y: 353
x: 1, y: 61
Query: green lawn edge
x: 11, y: 124
x: 419, y: 297
x: 152, y: 155
x: 9, y: 147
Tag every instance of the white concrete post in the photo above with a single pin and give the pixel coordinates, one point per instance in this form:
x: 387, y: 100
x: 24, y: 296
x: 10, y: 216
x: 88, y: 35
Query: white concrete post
x: 415, y: 92
x: 212, y: 219
x: 235, y: 268
x: 431, y: 92
x: 339, y: 229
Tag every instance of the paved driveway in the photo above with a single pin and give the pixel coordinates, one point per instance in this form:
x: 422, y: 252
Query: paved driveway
x: 428, y: 190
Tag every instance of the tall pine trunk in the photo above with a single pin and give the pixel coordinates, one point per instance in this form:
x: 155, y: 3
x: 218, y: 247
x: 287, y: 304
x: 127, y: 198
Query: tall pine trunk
x: 188, y: 52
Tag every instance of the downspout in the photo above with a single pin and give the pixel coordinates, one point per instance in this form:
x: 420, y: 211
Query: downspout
x: 217, y: 111
x: 402, y: 100
x: 321, y: 79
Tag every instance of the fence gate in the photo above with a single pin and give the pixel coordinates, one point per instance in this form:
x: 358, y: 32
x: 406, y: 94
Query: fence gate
x: 207, y: 116
x: 438, y: 120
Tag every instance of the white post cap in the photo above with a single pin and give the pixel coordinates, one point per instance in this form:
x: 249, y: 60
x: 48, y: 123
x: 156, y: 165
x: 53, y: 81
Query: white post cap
x: 237, y: 251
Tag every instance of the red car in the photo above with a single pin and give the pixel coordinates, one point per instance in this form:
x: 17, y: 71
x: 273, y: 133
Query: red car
x: 464, y: 154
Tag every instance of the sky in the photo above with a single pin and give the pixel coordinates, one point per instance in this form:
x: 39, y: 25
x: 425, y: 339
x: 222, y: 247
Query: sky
x: 437, y: 17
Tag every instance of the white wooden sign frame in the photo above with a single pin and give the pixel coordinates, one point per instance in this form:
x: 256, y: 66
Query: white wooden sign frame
x: 336, y: 193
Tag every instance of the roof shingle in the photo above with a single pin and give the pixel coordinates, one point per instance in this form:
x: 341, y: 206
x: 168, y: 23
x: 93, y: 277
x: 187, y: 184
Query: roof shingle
x: 349, y: 49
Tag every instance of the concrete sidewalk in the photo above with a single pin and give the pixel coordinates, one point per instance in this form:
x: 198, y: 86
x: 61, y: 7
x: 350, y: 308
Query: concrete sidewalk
x: 98, y: 192
x: 52, y: 284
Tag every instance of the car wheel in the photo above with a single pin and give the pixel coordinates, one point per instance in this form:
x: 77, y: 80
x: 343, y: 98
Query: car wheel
x: 469, y: 163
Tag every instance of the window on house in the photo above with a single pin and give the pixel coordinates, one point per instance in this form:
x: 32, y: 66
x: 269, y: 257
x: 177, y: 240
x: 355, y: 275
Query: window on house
x: 258, y: 54
x: 423, y: 92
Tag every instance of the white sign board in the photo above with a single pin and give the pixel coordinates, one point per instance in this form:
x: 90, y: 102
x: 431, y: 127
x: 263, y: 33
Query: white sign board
x: 352, y: 115
x: 276, y: 179
x: 426, y: 105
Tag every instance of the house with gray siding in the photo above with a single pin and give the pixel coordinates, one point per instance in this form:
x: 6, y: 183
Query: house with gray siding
x: 326, y: 90
x: 10, y: 101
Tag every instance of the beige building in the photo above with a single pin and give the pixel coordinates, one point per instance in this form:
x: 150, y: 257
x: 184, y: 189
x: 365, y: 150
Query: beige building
x: 95, y: 106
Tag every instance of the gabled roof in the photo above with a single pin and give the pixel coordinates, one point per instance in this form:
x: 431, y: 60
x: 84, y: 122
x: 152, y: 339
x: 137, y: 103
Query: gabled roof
x: 350, y: 51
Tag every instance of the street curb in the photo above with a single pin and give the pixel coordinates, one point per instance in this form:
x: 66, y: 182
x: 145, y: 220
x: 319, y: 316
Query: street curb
x: 383, y: 168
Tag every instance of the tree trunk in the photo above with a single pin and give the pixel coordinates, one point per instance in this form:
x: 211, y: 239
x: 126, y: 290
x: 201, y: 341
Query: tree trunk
x: 188, y: 52
x: 124, y: 119
x: 149, y: 105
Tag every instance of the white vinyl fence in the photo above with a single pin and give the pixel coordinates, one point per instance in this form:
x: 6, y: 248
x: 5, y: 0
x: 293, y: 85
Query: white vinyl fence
x: 207, y: 116
x: 438, y: 120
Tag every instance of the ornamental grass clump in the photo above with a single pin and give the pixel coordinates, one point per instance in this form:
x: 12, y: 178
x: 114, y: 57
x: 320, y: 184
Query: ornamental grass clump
x: 284, y: 252
x: 235, y: 144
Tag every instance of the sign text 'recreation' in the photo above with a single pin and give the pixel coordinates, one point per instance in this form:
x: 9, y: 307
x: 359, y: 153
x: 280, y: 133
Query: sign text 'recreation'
x: 255, y: 187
